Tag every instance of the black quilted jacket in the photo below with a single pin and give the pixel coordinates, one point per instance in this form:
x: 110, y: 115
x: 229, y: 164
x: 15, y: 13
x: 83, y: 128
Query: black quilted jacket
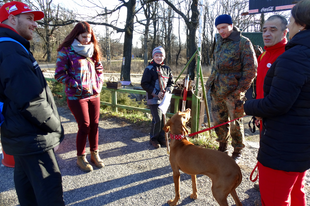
x: 285, y: 139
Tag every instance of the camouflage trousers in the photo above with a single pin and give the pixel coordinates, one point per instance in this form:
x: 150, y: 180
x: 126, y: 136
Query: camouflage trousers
x: 225, y: 109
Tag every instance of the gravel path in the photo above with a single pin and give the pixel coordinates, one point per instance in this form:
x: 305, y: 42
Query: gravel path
x: 135, y: 173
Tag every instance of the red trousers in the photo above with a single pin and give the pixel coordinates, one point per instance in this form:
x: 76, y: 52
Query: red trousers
x: 280, y: 188
x: 86, y: 113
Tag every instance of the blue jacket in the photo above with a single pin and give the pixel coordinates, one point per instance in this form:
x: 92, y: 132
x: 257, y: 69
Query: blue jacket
x: 285, y: 138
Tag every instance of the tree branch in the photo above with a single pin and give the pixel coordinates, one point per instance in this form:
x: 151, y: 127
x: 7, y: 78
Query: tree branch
x: 178, y: 11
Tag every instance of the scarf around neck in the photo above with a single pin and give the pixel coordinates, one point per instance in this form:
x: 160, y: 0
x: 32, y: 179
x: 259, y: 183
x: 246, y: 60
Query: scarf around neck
x: 83, y: 50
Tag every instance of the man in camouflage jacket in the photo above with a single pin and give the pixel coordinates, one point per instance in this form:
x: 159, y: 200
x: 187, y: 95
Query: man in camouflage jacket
x: 233, y: 71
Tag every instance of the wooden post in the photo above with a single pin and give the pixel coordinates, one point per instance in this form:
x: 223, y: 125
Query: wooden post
x: 114, y: 100
x: 195, y: 100
x: 176, y: 105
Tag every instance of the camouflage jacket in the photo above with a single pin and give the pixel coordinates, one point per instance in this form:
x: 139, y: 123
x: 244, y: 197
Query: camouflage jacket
x: 234, y: 66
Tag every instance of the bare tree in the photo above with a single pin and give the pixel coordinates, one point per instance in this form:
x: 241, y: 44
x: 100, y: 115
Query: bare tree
x: 167, y: 21
x: 179, y: 38
x: 192, y: 25
x: 155, y: 28
x: 54, y: 15
x: 208, y: 33
x: 128, y: 30
x: 125, y: 71
x: 149, y: 10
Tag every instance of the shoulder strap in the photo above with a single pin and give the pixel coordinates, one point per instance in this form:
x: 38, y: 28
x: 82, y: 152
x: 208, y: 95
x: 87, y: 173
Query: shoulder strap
x: 1, y: 116
x: 91, y: 61
x: 260, y: 59
x: 4, y: 39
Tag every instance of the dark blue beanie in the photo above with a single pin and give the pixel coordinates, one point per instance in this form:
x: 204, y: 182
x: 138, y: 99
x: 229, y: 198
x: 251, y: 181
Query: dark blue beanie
x: 223, y: 19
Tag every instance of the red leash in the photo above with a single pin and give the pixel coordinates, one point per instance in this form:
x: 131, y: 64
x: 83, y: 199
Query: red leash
x: 193, y: 134
x: 252, y: 173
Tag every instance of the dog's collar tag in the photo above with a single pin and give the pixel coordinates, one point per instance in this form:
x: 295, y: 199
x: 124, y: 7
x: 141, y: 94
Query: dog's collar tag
x: 176, y: 136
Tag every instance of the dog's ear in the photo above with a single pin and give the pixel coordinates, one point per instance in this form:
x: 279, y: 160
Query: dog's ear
x: 167, y: 126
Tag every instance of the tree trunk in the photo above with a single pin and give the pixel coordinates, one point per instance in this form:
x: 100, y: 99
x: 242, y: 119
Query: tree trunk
x: 125, y: 71
x: 48, y: 47
x: 192, y: 49
x: 154, y: 36
x: 192, y: 37
x: 170, y: 27
x: 180, y: 44
x: 146, y: 33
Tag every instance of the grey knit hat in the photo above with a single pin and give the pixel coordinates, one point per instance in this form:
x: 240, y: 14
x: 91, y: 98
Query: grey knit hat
x: 159, y: 50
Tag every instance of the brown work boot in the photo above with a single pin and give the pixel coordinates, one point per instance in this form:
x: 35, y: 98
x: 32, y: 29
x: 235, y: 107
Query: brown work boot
x: 236, y: 155
x: 83, y: 163
x: 95, y: 158
x: 155, y: 143
x: 223, y: 147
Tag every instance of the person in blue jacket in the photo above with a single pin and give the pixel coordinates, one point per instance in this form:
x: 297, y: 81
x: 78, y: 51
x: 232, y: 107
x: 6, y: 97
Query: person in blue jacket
x: 31, y: 126
x: 284, y: 153
x: 156, y: 80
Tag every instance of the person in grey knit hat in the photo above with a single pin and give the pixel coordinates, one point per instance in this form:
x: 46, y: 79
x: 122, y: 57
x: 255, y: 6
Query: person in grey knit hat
x: 156, y: 80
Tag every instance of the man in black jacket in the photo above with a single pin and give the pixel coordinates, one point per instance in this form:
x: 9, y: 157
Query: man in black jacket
x: 31, y: 127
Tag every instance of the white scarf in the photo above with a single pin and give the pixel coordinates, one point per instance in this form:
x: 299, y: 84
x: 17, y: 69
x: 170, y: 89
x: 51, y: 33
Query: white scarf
x: 83, y: 50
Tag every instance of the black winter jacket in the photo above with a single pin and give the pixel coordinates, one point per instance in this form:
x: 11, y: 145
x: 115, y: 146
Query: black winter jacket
x: 150, y: 83
x: 285, y: 138
x: 32, y: 124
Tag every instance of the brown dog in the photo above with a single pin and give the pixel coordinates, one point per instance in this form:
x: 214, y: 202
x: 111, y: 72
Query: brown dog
x: 222, y: 169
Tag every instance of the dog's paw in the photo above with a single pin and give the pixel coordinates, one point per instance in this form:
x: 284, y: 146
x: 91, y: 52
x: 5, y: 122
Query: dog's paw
x: 194, y: 196
x: 172, y: 202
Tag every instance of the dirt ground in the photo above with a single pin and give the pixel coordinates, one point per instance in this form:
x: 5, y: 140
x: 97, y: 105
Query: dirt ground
x: 135, y: 172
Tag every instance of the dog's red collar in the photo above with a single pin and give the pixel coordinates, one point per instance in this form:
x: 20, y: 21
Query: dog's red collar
x: 176, y: 136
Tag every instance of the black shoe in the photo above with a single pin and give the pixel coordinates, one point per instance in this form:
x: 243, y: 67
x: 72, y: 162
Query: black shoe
x: 155, y: 143
x: 256, y: 186
x: 223, y: 147
x: 257, y: 202
x: 163, y: 142
x: 236, y: 156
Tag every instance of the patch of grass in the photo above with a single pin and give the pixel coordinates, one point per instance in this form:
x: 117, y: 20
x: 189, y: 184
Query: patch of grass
x: 140, y: 119
x: 55, y: 87
x: 122, y: 99
x: 205, y: 140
